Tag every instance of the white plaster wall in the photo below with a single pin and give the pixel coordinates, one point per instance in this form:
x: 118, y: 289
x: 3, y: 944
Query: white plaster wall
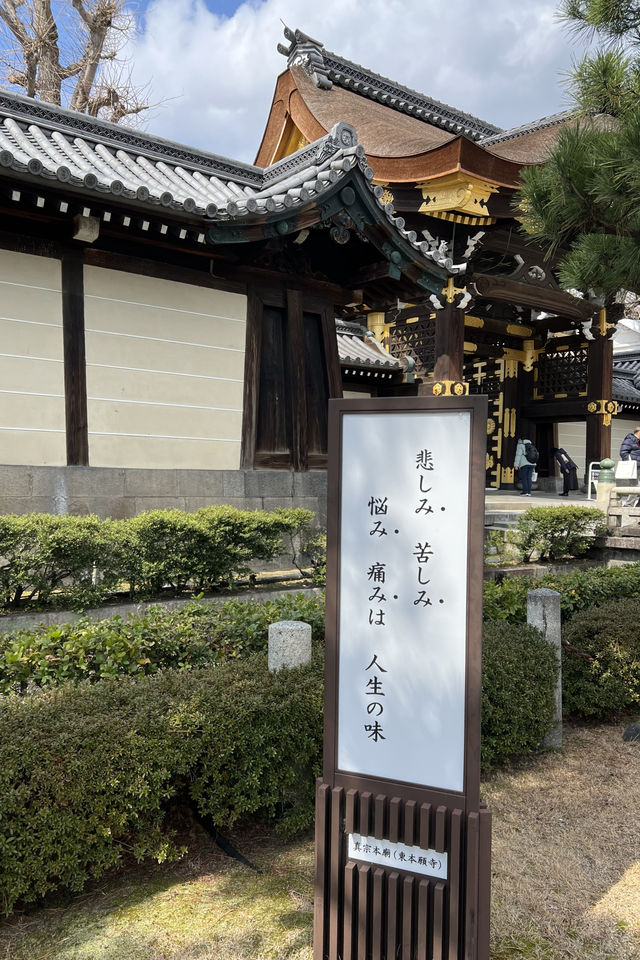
x: 165, y: 369
x: 32, y: 420
x: 573, y: 438
x: 357, y: 394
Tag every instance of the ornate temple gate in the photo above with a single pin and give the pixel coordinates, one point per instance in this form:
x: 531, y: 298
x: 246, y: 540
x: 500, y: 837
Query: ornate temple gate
x: 534, y: 375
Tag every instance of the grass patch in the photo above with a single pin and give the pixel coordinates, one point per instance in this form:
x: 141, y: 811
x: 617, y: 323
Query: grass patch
x: 566, y: 879
x: 207, y: 907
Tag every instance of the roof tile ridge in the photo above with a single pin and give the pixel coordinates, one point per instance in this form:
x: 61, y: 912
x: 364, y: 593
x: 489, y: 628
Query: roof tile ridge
x: 426, y: 103
x: 532, y: 127
x: 28, y: 110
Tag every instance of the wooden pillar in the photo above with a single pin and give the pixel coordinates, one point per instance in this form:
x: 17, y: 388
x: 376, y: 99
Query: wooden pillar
x: 599, y: 388
x: 297, y: 373
x: 75, y: 372
x: 449, y: 339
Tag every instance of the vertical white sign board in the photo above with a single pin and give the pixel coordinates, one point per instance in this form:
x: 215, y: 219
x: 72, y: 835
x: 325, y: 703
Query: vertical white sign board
x: 403, y: 596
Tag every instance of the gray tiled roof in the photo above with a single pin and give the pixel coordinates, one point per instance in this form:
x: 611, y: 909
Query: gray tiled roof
x: 50, y: 144
x: 551, y: 121
x: 357, y: 347
x: 326, y: 68
x: 626, y: 378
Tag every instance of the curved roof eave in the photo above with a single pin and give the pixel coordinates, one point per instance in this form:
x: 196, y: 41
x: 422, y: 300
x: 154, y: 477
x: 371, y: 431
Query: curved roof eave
x: 457, y: 154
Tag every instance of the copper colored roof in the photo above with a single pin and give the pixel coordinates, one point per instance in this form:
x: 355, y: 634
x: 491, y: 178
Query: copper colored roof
x: 381, y: 131
x: 529, y: 143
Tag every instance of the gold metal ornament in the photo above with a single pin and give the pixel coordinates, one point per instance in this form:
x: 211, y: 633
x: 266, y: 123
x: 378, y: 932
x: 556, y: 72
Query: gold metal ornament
x: 450, y: 388
x: 604, y: 408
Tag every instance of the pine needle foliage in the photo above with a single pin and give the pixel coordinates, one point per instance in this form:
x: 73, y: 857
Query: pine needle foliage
x: 584, y: 202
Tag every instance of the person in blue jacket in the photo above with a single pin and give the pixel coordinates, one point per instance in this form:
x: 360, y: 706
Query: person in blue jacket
x: 630, y: 446
x: 524, y: 467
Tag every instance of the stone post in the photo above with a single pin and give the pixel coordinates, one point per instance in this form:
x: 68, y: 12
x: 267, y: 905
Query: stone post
x: 543, y: 612
x: 606, y: 483
x: 289, y: 644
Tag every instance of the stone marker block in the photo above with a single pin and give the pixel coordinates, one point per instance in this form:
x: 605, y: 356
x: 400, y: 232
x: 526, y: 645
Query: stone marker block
x: 632, y: 733
x: 543, y: 612
x: 289, y: 644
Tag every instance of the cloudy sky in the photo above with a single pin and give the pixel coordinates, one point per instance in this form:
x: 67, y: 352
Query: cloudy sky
x: 214, y: 62
x: 211, y: 65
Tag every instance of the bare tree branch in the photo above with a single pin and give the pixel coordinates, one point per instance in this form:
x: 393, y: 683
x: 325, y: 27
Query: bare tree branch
x: 80, y: 42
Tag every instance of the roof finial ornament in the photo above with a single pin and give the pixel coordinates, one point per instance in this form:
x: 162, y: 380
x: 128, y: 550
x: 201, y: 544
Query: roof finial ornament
x: 305, y: 52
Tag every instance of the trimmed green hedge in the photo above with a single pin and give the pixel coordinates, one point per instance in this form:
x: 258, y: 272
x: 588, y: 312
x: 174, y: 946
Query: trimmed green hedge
x: 608, y: 682
x: 195, y: 635
x: 508, y: 600
x: 87, y: 771
x: 555, y: 532
x: 519, y: 676
x: 80, y: 560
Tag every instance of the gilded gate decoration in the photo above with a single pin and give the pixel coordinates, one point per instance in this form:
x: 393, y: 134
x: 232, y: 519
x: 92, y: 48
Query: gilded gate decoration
x: 486, y: 377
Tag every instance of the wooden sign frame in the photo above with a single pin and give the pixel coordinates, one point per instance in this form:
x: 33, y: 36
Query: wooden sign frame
x: 373, y: 911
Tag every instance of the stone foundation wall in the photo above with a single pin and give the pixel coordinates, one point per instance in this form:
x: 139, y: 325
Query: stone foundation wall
x: 117, y: 493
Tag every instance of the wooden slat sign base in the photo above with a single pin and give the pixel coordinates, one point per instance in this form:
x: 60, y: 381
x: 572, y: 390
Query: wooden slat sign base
x: 403, y: 847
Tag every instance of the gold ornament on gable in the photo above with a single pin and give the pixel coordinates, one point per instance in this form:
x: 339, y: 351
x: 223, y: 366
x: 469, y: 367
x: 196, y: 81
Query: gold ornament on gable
x: 457, y: 191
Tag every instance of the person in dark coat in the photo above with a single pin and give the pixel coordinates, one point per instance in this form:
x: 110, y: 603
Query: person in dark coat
x: 630, y: 446
x: 568, y: 469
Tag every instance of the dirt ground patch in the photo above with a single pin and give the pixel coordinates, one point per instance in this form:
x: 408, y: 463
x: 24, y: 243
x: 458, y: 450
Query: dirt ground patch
x: 566, y: 851
x: 566, y: 879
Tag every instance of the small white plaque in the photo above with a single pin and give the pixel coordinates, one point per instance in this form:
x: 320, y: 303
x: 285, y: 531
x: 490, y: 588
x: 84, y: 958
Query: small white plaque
x: 429, y: 863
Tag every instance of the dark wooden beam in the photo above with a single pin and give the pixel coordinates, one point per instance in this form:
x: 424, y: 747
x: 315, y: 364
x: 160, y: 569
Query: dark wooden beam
x: 449, y: 343
x: 332, y: 359
x: 253, y: 345
x: 599, y: 388
x: 261, y: 276
x: 527, y: 295
x: 160, y: 269
x: 374, y: 271
x: 558, y: 410
x: 297, y: 379
x: 75, y: 369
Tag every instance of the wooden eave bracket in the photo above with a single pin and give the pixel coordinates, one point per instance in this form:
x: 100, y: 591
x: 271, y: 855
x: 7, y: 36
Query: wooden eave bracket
x: 353, y: 199
x: 536, y: 297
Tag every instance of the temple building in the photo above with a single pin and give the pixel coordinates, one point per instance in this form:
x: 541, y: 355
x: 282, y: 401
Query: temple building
x: 174, y: 322
x: 502, y: 326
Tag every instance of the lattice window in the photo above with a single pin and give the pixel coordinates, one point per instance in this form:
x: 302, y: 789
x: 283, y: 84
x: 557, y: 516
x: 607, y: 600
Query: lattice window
x: 415, y: 339
x: 562, y: 372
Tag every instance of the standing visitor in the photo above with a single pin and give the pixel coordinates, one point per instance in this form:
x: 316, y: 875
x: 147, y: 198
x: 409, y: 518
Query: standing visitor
x: 524, y: 463
x: 630, y: 446
x: 568, y: 469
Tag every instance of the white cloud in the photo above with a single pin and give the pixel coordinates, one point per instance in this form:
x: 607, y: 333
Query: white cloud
x: 496, y: 59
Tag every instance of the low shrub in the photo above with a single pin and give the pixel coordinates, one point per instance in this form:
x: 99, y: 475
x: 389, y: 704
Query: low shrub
x: 519, y: 676
x: 555, y: 532
x: 197, y: 634
x: 87, y: 771
x: 41, y: 553
x: 601, y: 666
x: 79, y: 560
x: 507, y: 599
